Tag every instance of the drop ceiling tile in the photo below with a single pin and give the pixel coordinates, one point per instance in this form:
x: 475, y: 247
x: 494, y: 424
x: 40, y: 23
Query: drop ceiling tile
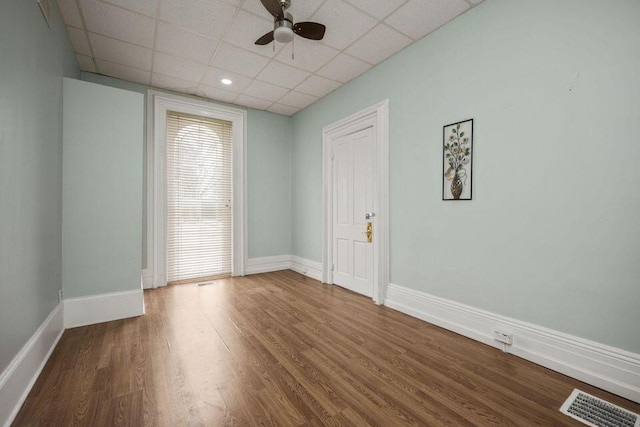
x: 317, y: 86
x: 300, y: 9
x: 173, y: 66
x: 246, y: 29
x: 209, y: 17
x: 343, y: 68
x: 120, y: 52
x: 283, y: 109
x: 184, y: 43
x: 79, y: 41
x: 217, y: 93
x: 378, y: 44
x: 214, y: 76
x: 86, y: 63
x: 145, y: 7
x: 102, y: 18
x: 172, y: 83
x: 297, y: 99
x: 238, y: 60
x: 379, y: 9
x: 345, y: 24
x: 264, y: 90
x: 70, y: 13
x: 249, y: 101
x: 256, y: 8
x: 417, y: 18
x: 309, y: 54
x: 282, y: 75
x: 123, y: 72
x: 303, y: 10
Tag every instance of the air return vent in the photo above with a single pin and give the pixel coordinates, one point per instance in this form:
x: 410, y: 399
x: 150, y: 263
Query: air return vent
x: 596, y: 412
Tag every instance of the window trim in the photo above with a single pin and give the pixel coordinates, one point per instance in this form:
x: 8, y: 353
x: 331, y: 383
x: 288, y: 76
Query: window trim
x: 158, y: 103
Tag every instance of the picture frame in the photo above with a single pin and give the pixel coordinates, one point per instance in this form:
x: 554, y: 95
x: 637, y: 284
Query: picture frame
x: 457, y: 160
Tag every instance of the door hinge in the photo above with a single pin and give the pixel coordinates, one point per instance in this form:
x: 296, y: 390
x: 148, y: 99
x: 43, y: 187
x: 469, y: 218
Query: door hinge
x: 333, y: 267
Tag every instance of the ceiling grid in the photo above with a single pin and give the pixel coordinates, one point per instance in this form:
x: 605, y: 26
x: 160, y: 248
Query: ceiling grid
x: 189, y: 46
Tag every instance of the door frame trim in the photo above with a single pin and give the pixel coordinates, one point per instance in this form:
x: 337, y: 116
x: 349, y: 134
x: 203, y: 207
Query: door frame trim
x: 158, y: 103
x: 376, y: 116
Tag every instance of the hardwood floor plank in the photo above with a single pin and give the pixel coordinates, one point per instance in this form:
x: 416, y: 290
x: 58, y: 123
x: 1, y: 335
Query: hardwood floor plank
x: 370, y: 357
x: 280, y: 349
x: 314, y: 383
x: 343, y: 361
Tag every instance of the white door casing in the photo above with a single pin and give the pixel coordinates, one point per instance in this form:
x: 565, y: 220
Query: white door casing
x: 353, y: 160
x: 158, y: 104
x: 375, y: 119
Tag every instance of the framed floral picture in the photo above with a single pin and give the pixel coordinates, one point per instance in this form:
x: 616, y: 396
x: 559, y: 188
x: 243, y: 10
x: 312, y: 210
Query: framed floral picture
x: 457, y: 160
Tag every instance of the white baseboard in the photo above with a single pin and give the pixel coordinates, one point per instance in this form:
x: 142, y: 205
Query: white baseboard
x: 304, y: 266
x: 610, y: 368
x: 267, y: 264
x: 307, y: 267
x: 19, y: 377
x: 102, y: 308
x: 147, y: 279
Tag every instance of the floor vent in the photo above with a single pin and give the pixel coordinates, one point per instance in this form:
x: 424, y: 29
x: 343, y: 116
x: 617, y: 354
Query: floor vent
x: 596, y: 412
x: 206, y: 283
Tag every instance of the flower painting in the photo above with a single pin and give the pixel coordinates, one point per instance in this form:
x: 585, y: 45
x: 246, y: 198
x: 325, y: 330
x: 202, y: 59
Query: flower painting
x: 456, y: 160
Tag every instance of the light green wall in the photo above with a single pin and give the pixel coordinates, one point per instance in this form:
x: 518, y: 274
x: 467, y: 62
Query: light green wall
x: 133, y: 87
x: 551, y: 236
x: 33, y: 60
x: 269, y: 184
x: 268, y: 176
x: 102, y: 189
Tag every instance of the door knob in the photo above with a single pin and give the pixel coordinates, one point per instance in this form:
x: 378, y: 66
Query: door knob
x: 369, y: 232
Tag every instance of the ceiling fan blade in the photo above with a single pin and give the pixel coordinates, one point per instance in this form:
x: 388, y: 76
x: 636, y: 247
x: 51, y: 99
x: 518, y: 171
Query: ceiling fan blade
x: 310, y: 30
x: 266, y: 39
x: 274, y: 8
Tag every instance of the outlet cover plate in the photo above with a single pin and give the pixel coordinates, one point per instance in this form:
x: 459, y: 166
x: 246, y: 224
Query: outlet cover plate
x: 503, y: 337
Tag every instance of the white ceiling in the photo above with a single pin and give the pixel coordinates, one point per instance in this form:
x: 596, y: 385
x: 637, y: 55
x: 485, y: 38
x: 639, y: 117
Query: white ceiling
x: 190, y: 45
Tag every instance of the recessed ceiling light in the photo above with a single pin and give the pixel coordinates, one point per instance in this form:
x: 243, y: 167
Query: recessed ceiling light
x: 226, y: 81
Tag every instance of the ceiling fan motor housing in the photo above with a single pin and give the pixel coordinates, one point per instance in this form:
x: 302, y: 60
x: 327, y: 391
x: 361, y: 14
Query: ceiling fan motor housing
x: 283, y: 29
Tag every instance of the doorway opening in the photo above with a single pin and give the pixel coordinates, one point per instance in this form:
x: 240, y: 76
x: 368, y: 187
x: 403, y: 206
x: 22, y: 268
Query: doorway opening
x: 196, y: 204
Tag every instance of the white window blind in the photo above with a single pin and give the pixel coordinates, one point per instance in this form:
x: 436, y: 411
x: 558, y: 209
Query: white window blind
x: 199, y: 189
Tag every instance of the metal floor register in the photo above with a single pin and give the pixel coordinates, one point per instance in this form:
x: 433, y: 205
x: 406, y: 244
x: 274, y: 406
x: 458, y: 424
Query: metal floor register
x: 596, y: 412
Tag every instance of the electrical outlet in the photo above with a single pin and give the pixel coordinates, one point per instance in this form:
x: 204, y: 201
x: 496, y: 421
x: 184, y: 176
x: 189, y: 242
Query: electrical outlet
x: 503, y: 337
x: 60, y: 296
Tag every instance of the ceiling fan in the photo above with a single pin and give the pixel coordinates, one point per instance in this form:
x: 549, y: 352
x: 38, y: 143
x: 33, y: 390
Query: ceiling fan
x: 284, y: 28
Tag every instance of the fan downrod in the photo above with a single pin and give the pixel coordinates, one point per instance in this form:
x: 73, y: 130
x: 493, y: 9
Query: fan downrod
x: 285, y: 4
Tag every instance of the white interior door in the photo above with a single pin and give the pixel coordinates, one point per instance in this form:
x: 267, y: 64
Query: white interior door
x: 353, y: 160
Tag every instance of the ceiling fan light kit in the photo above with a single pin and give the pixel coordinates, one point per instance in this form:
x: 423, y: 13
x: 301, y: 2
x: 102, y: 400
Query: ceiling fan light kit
x: 284, y: 27
x: 283, y: 31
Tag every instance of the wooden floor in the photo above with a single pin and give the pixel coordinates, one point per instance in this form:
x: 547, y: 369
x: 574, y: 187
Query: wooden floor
x: 281, y: 349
